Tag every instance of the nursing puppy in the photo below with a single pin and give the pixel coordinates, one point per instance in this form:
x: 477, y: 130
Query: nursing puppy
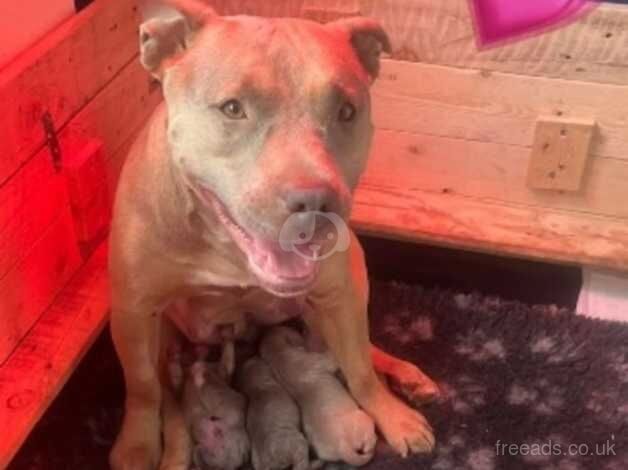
x: 213, y: 411
x: 265, y: 126
x: 273, y: 420
x: 334, y: 424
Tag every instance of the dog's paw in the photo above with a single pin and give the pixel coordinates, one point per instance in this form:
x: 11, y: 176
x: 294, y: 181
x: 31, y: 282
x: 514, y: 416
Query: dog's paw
x: 137, y: 457
x: 411, y: 383
x: 406, y: 430
x: 138, y: 445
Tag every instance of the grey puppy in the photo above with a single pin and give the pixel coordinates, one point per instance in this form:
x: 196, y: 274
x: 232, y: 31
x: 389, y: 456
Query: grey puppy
x: 336, y: 427
x: 214, y: 412
x: 273, y: 420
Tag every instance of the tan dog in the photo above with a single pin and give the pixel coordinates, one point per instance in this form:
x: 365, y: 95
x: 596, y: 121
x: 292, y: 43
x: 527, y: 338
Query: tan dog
x: 273, y: 420
x: 266, y: 123
x: 338, y: 430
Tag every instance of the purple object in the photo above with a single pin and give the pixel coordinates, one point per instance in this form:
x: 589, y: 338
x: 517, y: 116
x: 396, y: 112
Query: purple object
x: 502, y: 20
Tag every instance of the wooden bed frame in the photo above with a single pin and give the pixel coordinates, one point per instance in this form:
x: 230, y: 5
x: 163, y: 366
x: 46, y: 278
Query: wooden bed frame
x: 455, y: 134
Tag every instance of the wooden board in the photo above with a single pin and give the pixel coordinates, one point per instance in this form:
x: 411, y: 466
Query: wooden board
x: 35, y: 372
x: 29, y: 203
x: 115, y: 113
x: 60, y: 74
x: 492, y: 171
x: 395, y: 210
x: 559, y: 154
x: 441, y: 32
x: 495, y: 107
x: 29, y: 288
x: 35, y: 198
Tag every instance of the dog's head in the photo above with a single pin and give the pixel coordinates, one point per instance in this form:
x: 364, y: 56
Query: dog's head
x: 269, y: 122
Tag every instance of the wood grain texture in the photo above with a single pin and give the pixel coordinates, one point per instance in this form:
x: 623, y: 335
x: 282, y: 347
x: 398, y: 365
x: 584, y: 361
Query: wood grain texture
x: 559, y: 154
x: 594, y: 48
x: 275, y: 8
x: 591, y: 49
x: 35, y: 372
x: 325, y: 11
x: 491, y: 171
x: 402, y: 212
x: 60, y: 74
x: 29, y: 288
x: 29, y: 203
x: 495, y: 107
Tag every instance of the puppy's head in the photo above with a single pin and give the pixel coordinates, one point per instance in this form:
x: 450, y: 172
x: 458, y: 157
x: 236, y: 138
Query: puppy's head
x: 269, y: 122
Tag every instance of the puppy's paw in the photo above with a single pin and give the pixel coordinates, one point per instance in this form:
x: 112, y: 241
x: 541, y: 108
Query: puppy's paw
x: 405, y: 429
x: 359, y: 438
x: 409, y: 381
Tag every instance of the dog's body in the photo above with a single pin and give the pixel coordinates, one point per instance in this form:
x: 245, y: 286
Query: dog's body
x: 338, y: 430
x: 265, y: 122
x: 273, y: 420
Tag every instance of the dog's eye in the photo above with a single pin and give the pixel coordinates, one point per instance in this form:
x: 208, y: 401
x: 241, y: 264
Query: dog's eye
x: 347, y: 113
x: 233, y: 109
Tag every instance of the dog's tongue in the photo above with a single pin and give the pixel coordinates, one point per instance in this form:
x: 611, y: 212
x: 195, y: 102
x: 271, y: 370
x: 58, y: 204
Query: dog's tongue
x: 278, y: 263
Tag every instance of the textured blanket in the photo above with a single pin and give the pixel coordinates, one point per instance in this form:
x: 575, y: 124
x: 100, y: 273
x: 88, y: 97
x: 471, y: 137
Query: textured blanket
x: 523, y: 387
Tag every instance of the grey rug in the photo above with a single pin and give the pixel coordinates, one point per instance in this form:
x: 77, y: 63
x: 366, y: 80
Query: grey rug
x: 524, y: 388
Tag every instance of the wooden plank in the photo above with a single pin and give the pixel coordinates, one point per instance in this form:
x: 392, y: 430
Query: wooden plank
x: 400, y: 211
x: 36, y: 196
x: 591, y: 49
x: 31, y: 286
x: 559, y: 154
x: 29, y: 203
x: 291, y: 8
x: 60, y: 74
x: 115, y: 113
x: 35, y: 372
x: 490, y: 171
x: 495, y: 107
x: 594, y: 48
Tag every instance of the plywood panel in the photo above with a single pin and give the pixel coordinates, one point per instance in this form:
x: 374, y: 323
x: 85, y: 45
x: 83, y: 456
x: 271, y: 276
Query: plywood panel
x: 495, y: 107
x: 60, y: 74
x: 35, y: 372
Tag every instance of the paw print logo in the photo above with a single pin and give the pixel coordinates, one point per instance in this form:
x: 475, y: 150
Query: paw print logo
x: 314, y: 235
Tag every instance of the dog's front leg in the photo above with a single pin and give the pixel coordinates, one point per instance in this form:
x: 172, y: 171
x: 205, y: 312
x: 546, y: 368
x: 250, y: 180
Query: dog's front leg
x: 339, y: 315
x: 136, y: 339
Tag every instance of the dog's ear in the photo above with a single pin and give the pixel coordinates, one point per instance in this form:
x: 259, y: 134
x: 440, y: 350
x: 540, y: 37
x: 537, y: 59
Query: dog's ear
x: 167, y: 34
x: 368, y: 38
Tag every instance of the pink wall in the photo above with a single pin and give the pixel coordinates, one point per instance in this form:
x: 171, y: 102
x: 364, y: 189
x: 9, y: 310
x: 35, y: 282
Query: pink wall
x: 23, y: 22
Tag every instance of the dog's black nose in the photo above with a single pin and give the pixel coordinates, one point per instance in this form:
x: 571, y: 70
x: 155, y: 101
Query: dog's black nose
x: 319, y: 199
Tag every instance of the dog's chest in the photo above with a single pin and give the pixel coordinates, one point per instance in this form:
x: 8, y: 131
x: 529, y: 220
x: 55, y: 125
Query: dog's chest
x: 204, y: 319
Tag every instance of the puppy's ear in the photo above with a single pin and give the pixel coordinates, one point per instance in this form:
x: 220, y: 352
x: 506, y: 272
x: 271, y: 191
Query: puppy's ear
x: 168, y: 33
x: 368, y: 38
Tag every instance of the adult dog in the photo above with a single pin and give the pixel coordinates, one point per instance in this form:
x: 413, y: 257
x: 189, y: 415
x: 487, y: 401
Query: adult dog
x: 265, y: 124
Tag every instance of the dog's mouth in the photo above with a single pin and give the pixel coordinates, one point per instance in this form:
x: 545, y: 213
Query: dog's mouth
x: 285, y: 273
